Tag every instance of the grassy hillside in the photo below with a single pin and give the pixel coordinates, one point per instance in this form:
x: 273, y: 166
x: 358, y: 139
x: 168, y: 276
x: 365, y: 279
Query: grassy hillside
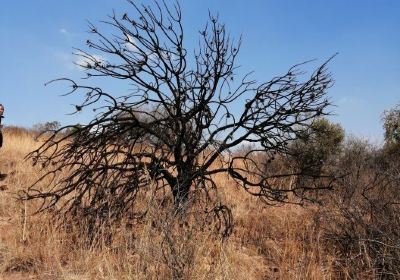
x: 286, y: 242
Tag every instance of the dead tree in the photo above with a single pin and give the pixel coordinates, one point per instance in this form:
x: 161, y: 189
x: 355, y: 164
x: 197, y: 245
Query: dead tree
x: 176, y: 127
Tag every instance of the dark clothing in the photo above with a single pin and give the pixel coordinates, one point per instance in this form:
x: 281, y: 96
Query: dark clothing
x: 1, y: 134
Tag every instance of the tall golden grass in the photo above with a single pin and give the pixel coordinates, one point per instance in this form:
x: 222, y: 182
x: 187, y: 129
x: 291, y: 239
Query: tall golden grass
x: 283, y: 242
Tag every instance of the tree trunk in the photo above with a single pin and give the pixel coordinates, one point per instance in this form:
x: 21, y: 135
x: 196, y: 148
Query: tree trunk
x: 180, y: 193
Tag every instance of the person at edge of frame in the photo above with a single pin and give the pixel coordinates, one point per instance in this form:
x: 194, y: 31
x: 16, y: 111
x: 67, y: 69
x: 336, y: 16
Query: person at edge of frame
x: 2, y: 176
x: 1, y: 117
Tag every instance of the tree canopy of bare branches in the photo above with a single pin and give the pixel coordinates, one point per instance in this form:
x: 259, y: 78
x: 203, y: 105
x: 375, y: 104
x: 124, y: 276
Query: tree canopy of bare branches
x: 175, y: 127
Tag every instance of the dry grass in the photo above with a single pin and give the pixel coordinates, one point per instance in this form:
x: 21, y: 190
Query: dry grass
x: 268, y: 242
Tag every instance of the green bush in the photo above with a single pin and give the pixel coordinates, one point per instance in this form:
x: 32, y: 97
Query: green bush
x: 316, y: 145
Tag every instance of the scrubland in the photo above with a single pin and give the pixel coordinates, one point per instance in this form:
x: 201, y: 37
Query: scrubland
x: 352, y: 233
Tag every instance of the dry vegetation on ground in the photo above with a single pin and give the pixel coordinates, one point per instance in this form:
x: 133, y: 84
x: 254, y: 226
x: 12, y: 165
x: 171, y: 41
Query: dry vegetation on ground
x: 287, y: 242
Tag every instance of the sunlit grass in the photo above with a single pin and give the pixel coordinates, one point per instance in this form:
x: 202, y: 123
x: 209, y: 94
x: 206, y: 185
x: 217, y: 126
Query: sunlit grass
x: 267, y: 242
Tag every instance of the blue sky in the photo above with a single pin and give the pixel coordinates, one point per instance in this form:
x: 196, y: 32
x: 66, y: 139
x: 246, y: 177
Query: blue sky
x: 37, y: 40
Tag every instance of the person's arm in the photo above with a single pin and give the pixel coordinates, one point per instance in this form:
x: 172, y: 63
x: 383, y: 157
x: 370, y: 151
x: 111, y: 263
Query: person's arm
x: 1, y: 113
